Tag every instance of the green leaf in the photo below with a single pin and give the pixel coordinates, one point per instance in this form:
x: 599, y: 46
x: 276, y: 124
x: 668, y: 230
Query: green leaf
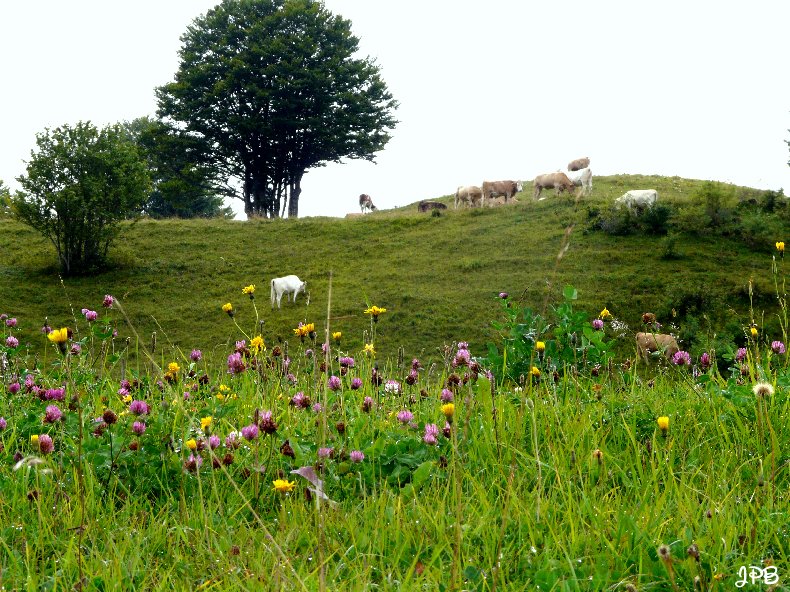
x: 570, y: 293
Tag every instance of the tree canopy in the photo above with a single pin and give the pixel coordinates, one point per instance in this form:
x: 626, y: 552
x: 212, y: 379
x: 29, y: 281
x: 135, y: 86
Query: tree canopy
x: 80, y: 183
x: 273, y: 89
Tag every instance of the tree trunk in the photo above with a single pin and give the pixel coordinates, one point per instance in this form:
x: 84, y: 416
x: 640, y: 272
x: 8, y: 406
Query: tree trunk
x: 293, y: 202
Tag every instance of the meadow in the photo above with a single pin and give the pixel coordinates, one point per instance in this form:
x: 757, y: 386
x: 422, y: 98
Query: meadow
x: 447, y: 413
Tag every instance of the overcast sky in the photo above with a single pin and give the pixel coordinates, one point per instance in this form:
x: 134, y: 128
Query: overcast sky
x: 697, y: 89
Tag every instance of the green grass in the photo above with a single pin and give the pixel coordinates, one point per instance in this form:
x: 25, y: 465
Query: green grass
x: 437, y: 276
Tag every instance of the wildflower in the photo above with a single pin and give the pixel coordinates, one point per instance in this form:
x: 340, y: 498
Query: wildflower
x: 597, y: 324
x: 196, y: 355
x: 3, y: 424
x: 664, y: 553
x: 10, y: 322
x: 462, y: 358
x: 503, y: 295
x: 300, y: 400
x: 431, y: 432
x: 235, y: 363
x: 356, y: 383
x: 90, y: 315
x: 45, y: 444
x: 249, y: 290
x: 740, y: 354
x: 605, y: 314
x: 284, y: 486
x: 317, y: 408
x: 205, y: 422
x: 753, y: 330
x: 308, y: 353
x: 334, y: 383
x: 392, y: 387
x: 369, y: 349
x: 59, y: 338
x: 405, y: 416
x: 374, y: 312
x: 778, y: 347
x: 367, y: 404
x: 138, y: 427
x: 34, y: 440
x: 446, y: 396
x: 14, y: 388
x: 173, y: 368
x: 535, y: 372
x: 52, y: 414
x: 228, y: 308
x: 76, y: 349
x: 257, y: 345
x: 191, y: 444
x: 412, y: 377
x: 249, y: 432
x: 681, y: 358
x: 663, y: 424
x: 193, y: 463
x: 108, y: 301
x: 11, y: 341
x: 448, y: 409
x: 337, y: 335
x: 138, y: 407
x: 267, y: 423
x: 704, y: 361
x: 55, y: 394
x: 763, y: 389
x: 780, y: 246
x: 356, y: 456
x: 347, y: 361
x: 540, y: 346
x: 213, y: 441
x: 287, y: 450
x: 301, y: 331
x: 232, y: 440
x: 325, y: 452
x: 598, y: 455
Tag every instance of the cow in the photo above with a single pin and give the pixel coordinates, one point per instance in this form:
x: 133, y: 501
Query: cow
x: 470, y: 195
x: 289, y: 284
x: 426, y: 205
x: 579, y: 164
x: 638, y: 200
x: 656, y: 342
x: 558, y: 181
x: 583, y: 180
x: 506, y: 189
x: 365, y: 203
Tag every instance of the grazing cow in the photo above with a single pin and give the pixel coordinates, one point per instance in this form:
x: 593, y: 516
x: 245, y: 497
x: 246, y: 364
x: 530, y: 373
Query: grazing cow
x: 638, y: 200
x: 365, y: 203
x: 558, y: 181
x: 579, y: 164
x: 492, y: 189
x: 289, y: 284
x: 656, y: 342
x: 583, y: 180
x: 425, y: 205
x: 470, y: 195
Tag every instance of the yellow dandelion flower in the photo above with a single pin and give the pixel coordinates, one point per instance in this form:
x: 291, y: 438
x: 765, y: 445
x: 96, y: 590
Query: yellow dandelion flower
x: 309, y: 328
x: 375, y: 311
x: 448, y: 409
x: 223, y: 388
x: 780, y: 246
x: 535, y: 372
x: 250, y: 290
x: 605, y: 314
x: 369, y: 349
x: 663, y: 423
x: 540, y: 346
x: 205, y: 422
x: 228, y: 308
x: 257, y: 345
x: 284, y: 486
x: 301, y: 330
x: 753, y: 331
x: 220, y: 397
x: 337, y: 335
x: 34, y: 439
x: 127, y: 398
x: 191, y: 444
x: 173, y: 368
x: 58, y: 335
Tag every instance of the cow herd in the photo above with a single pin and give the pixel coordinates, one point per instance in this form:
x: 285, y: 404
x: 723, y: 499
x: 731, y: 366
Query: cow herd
x: 577, y: 178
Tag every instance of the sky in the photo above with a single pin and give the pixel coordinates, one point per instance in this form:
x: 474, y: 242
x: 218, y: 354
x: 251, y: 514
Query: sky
x: 518, y: 88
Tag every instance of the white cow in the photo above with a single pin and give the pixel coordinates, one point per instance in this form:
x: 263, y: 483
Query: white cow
x: 638, y: 200
x: 290, y: 284
x: 583, y: 179
x: 470, y: 195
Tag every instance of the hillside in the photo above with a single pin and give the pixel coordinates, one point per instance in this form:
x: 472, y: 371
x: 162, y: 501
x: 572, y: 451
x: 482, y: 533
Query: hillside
x: 438, y: 277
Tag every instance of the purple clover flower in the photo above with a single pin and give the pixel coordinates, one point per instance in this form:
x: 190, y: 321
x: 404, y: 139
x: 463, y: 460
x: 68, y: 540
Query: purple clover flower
x: 317, y: 408
x: 405, y: 416
x: 597, y: 324
x: 300, y: 400
x: 704, y: 361
x: 138, y: 427
x: 108, y: 301
x: 447, y: 396
x: 334, y: 383
x: 55, y: 394
x: 740, y: 354
x: 45, y: 444
x: 196, y: 355
x: 431, y: 433
x: 3, y: 424
x: 11, y: 341
x: 213, y: 441
x: 14, y: 388
x: 778, y: 347
x: 347, y: 361
x: 356, y: 456
x: 356, y: 383
x: 138, y: 407
x: 503, y: 295
x: 681, y: 358
x: 249, y: 432
x: 52, y: 414
x: 235, y: 363
x: 324, y: 452
x: 10, y: 322
x: 90, y: 315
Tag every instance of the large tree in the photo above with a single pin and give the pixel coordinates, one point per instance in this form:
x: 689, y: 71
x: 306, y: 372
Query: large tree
x: 80, y: 183
x: 273, y: 88
x: 5, y: 200
x: 184, y: 184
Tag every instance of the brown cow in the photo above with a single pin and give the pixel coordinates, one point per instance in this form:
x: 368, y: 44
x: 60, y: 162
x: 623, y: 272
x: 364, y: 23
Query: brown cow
x: 579, y: 164
x: 426, y: 205
x: 470, y: 195
x: 558, y: 181
x: 507, y: 189
x: 656, y: 342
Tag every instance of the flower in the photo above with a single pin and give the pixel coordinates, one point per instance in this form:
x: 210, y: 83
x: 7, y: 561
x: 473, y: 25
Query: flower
x: 10, y: 322
x: 446, y: 396
x: 235, y: 363
x: 405, y: 416
x: 193, y: 462
x: 196, y: 355
x: 503, y: 295
x: 375, y: 311
x: 356, y: 383
x: 267, y: 423
x: 108, y: 301
x: 431, y: 432
x: 605, y: 314
x: 11, y: 341
x: 14, y: 388
x: 90, y: 315
x: 300, y: 400
x: 284, y: 486
x: 3, y: 424
x: 740, y: 355
x: 249, y: 432
x: 213, y: 441
x: 664, y: 553
x: 540, y: 346
x: 780, y: 246
x: 681, y: 358
x: 325, y: 452
x: 763, y: 389
x: 334, y: 383
x: 138, y: 407
x: 392, y: 387
x: 448, y: 409
x: 337, y: 335
x: 597, y: 324
x: 138, y: 427
x: 45, y: 443
x: 249, y: 290
x: 753, y: 330
x: 55, y: 394
x: 369, y: 349
x: 34, y: 440
x: 228, y: 308
x: 347, y: 361
x: 663, y: 423
x: 191, y: 444
x: 535, y: 372
x: 52, y: 414
x: 58, y: 336
x: 257, y: 345
x: 205, y: 422
x: 367, y: 404
x: 704, y: 361
x: 356, y: 456
x: 173, y: 368
x: 778, y: 347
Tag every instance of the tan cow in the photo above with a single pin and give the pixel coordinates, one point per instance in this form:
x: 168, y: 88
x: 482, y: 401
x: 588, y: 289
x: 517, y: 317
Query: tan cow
x: 558, y: 181
x: 506, y: 189
x: 656, y: 342
x: 470, y: 195
x: 579, y: 164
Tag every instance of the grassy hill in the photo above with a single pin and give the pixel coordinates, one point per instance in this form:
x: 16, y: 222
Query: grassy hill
x: 438, y: 276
